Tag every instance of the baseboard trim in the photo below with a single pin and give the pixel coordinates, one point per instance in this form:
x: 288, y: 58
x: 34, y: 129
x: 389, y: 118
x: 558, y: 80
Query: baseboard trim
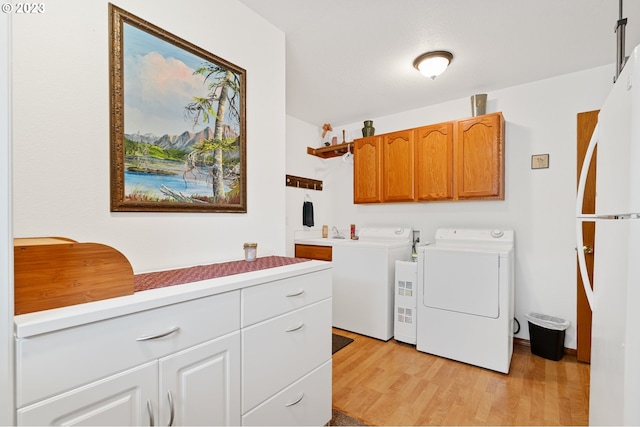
x: 526, y: 343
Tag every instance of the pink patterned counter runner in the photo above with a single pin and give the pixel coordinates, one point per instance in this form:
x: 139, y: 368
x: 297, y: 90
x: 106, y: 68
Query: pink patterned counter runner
x: 160, y: 279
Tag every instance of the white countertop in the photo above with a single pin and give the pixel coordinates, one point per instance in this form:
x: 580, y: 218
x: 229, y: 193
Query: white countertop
x: 319, y: 241
x: 360, y: 243
x: 40, y: 322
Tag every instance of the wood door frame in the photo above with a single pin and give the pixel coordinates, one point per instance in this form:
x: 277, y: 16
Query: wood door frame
x: 586, y: 123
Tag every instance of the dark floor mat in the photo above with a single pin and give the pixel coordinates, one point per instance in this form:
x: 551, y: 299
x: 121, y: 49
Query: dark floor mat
x: 340, y: 419
x: 338, y: 342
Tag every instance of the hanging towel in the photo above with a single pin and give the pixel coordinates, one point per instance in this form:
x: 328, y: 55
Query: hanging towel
x: 307, y: 214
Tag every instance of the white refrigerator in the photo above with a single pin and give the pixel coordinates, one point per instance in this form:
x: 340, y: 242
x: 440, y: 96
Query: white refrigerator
x: 615, y: 300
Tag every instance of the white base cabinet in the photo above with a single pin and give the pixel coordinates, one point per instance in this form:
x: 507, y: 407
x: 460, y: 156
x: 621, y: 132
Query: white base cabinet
x: 194, y: 362
x: 197, y: 386
x: 286, y: 352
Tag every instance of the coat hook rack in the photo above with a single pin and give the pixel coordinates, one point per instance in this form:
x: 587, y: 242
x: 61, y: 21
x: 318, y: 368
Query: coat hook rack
x: 300, y: 182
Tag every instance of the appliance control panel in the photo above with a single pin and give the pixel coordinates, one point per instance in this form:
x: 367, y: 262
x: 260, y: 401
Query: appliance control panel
x: 474, y: 236
x: 384, y: 233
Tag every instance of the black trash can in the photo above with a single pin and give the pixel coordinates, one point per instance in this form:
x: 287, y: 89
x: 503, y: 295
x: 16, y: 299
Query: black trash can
x: 546, y: 334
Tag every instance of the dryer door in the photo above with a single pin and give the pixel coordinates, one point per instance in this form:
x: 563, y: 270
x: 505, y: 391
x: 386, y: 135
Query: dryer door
x: 463, y: 281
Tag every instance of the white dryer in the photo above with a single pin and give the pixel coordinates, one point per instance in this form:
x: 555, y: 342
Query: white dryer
x: 466, y: 297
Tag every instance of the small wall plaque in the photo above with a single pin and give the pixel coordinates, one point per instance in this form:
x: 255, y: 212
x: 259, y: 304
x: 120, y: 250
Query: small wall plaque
x: 539, y: 161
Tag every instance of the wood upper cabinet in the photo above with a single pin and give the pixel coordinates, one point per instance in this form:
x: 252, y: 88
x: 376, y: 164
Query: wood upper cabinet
x: 455, y: 160
x: 367, y: 170
x: 479, y: 158
x: 434, y: 162
x: 397, y: 166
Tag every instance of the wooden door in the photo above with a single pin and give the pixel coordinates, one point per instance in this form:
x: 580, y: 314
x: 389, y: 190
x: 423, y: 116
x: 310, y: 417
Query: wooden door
x: 397, y: 167
x: 367, y: 168
x: 586, y: 123
x: 479, y: 158
x: 434, y: 162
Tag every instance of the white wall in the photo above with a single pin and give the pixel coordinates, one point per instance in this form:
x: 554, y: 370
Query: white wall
x: 6, y: 239
x: 61, y: 132
x: 300, y: 164
x: 539, y: 204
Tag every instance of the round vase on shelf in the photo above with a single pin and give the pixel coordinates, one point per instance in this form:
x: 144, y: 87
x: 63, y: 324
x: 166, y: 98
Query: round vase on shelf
x: 368, y: 129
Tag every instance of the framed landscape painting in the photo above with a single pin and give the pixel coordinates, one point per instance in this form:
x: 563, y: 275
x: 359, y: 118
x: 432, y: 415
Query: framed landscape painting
x: 178, y: 126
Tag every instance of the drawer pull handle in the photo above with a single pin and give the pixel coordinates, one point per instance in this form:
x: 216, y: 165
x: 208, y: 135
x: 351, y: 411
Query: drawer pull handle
x: 295, y: 328
x: 150, y: 411
x: 295, y: 294
x: 160, y: 335
x: 295, y: 402
x: 171, y: 410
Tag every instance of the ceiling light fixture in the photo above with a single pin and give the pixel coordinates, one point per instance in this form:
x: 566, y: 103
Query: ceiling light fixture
x: 432, y: 64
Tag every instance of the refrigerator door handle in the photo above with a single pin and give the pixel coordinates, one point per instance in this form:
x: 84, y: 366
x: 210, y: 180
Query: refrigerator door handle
x: 580, y: 217
x: 582, y: 263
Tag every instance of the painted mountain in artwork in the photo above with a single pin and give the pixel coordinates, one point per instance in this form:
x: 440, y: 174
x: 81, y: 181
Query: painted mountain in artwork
x: 184, y: 141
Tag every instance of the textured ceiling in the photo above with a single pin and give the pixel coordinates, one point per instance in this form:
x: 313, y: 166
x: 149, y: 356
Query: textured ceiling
x: 347, y: 60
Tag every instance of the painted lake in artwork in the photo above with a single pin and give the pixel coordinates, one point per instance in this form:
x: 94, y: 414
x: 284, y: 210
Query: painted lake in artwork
x: 150, y: 184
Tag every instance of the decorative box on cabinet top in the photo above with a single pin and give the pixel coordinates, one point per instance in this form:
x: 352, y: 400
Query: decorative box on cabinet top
x: 53, y: 272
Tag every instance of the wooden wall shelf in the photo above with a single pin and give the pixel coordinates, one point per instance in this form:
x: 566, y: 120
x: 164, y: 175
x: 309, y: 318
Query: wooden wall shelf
x: 331, y: 150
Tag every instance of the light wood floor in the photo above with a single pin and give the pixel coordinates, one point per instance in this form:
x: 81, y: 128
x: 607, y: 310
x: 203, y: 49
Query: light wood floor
x: 391, y: 383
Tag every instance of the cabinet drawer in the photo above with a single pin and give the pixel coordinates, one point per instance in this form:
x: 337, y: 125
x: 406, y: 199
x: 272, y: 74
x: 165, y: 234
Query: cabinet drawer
x: 306, y: 402
x: 50, y: 363
x: 314, y: 252
x: 281, y: 350
x: 272, y: 299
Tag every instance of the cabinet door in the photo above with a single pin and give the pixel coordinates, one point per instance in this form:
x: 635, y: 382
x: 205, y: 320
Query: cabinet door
x: 479, y: 154
x: 434, y: 162
x: 125, y: 399
x: 397, y: 167
x: 367, y: 169
x: 201, y: 385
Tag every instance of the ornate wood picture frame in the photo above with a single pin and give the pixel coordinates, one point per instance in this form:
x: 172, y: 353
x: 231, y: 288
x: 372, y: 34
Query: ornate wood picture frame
x: 178, y: 130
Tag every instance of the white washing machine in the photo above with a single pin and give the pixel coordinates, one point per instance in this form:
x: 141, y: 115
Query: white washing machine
x: 363, y: 279
x: 466, y: 297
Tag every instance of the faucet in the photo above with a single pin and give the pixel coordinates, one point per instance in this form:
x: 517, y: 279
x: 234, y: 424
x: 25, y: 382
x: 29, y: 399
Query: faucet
x: 337, y: 234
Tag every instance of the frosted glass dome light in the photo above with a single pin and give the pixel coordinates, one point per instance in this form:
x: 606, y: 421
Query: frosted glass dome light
x: 432, y: 64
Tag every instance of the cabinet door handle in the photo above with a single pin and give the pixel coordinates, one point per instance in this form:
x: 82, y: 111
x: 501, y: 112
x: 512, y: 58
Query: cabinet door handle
x: 171, y: 410
x: 295, y: 402
x: 160, y: 335
x: 150, y: 411
x: 295, y: 294
x: 295, y: 328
